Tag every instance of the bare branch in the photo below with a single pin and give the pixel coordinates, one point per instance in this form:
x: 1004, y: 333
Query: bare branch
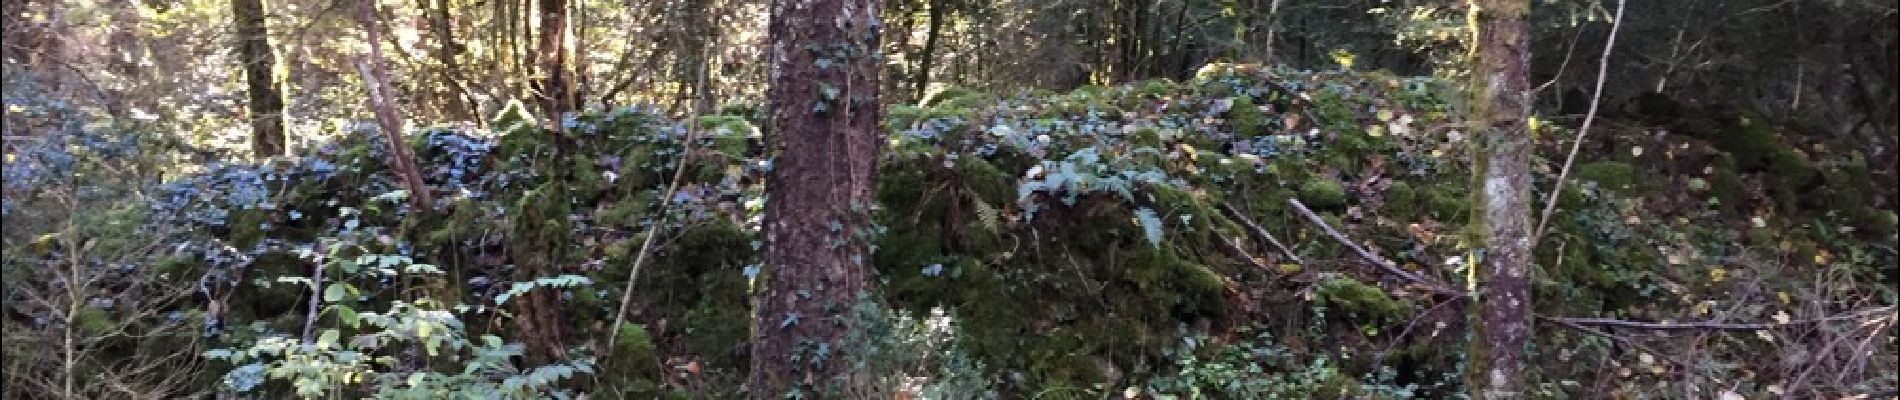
x: 1388, y: 266
x: 1710, y: 325
x: 1603, y: 70
x: 1257, y: 232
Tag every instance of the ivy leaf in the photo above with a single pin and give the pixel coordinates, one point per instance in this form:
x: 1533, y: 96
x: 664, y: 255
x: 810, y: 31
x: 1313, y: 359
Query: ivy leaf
x: 334, y: 293
x: 348, y: 317
x: 327, y: 339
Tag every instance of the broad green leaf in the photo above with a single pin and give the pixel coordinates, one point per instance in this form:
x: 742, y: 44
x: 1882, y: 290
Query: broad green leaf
x: 334, y: 293
x: 327, y: 339
x: 348, y: 316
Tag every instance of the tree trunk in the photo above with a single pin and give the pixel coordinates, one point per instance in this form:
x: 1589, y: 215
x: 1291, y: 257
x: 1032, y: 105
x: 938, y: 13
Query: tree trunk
x: 461, y: 105
x: 929, y: 52
x: 264, y: 86
x: 1501, y: 171
x: 824, y: 107
x: 555, y: 87
x: 383, y: 104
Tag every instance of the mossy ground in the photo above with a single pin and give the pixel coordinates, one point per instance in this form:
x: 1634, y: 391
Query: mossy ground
x: 1073, y: 236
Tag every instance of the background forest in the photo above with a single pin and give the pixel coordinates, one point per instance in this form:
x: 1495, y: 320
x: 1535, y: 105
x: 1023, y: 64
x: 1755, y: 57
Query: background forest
x: 1061, y: 199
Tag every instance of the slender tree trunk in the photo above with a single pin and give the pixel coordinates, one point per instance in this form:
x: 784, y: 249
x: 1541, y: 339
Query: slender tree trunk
x: 824, y: 107
x: 1273, y: 26
x: 555, y: 87
x: 929, y: 53
x: 260, y: 73
x: 383, y: 104
x: 461, y: 105
x: 1501, y: 170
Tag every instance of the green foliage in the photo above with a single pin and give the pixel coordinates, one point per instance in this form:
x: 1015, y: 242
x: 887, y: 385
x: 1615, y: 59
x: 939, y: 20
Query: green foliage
x: 1261, y: 367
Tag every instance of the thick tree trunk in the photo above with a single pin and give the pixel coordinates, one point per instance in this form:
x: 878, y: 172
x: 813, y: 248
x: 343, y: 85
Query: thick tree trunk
x: 824, y: 108
x: 929, y: 53
x: 1501, y: 170
x: 263, y: 84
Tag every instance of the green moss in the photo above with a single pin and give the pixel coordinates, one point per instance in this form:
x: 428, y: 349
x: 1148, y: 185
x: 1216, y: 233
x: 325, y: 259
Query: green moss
x: 634, y: 366
x: 954, y: 97
x: 1246, y: 118
x: 1448, y: 201
x: 1401, y: 202
x: 1751, y: 139
x: 1725, y: 184
x: 1614, y: 176
x: 1353, y: 296
x: 1322, y: 193
x: 1791, y: 172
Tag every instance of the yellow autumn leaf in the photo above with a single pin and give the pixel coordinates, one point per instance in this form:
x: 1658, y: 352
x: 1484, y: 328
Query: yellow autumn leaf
x: 1717, y: 274
x: 1785, y: 298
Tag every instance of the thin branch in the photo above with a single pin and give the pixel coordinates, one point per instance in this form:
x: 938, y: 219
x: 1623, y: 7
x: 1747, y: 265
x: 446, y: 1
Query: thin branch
x: 1711, y: 325
x: 646, y: 246
x: 1561, y: 67
x: 1618, y: 339
x: 1241, y: 252
x: 316, y: 299
x: 1603, y: 70
x: 1383, y: 264
x: 1258, y: 232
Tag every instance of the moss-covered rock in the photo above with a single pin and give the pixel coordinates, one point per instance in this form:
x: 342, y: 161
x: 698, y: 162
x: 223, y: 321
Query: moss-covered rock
x: 1322, y: 193
x: 1352, y: 296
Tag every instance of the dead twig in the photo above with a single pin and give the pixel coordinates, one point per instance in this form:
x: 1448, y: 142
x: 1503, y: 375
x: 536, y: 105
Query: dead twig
x: 1258, y: 232
x: 1383, y: 264
x: 1710, y: 325
x: 1618, y: 339
x: 1241, y: 252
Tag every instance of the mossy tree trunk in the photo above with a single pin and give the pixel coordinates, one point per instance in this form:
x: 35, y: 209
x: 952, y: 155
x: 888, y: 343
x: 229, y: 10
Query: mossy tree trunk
x: 824, y: 109
x: 260, y: 73
x: 1501, y: 168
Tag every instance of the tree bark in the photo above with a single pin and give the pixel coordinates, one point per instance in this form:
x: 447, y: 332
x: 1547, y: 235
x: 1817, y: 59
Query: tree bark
x: 264, y: 86
x: 461, y: 105
x: 384, y: 106
x: 1501, y: 170
x: 555, y: 88
x: 824, y: 108
x: 928, y: 55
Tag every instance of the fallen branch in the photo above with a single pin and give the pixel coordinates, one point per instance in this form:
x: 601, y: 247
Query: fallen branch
x: 1238, y: 251
x: 1709, y: 325
x: 1618, y: 339
x: 1388, y: 266
x: 1257, y: 232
